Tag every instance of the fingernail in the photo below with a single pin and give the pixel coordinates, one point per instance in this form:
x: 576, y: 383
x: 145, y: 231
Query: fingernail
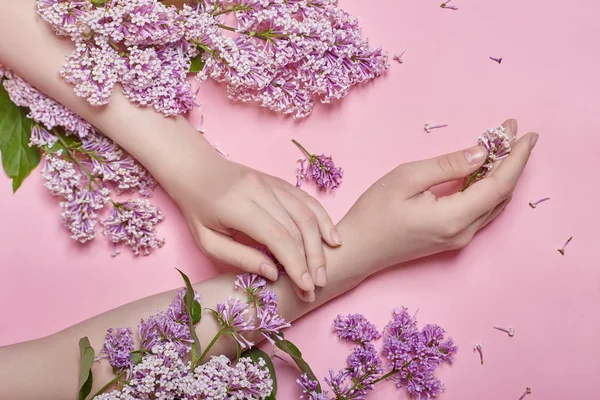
x: 268, y: 271
x: 512, y: 124
x: 308, y: 282
x: 533, y: 140
x: 475, y: 155
x: 321, y: 277
x: 335, y: 236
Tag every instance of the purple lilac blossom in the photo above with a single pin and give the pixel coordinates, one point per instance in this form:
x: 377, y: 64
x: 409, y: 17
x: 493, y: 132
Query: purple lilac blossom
x: 160, y: 329
x: 41, y: 137
x: 309, y: 389
x: 233, y: 315
x: 118, y: 345
x: 134, y: 223
x: 321, y: 169
x: 269, y: 323
x: 285, y: 56
x: 177, y: 310
x: 415, y: 354
x: 81, y: 167
x: 355, y: 328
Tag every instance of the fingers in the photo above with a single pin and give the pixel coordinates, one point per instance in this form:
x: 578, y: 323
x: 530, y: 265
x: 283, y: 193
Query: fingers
x: 307, y: 223
x: 425, y: 174
x: 326, y: 226
x: 484, y: 195
x: 262, y: 227
x: 227, y: 250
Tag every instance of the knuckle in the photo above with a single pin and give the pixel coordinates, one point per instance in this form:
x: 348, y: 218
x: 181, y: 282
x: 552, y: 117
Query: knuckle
x: 252, y: 180
x: 277, y: 232
x: 307, y: 217
x: 503, y: 189
x: 450, y: 230
x: 446, y: 166
x: 296, y: 235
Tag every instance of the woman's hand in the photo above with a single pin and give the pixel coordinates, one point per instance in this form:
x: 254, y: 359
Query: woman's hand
x: 400, y: 219
x: 227, y: 198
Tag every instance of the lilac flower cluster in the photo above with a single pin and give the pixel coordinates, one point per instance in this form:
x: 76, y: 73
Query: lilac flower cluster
x: 321, y: 169
x: 233, y: 314
x: 165, y: 339
x: 137, y: 43
x: 82, y: 166
x: 498, y: 143
x: 415, y: 354
x: 134, y: 223
x: 283, y: 54
x: 118, y: 345
x: 411, y: 355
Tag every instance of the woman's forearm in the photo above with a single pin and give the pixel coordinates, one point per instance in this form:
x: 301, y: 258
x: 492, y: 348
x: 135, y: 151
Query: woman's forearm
x: 33, y: 51
x: 48, y: 367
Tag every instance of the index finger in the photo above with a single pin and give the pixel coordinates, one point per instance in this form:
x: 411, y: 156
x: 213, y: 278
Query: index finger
x: 490, y: 191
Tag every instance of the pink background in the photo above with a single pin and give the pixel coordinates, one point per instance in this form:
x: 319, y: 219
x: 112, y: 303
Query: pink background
x: 511, y: 275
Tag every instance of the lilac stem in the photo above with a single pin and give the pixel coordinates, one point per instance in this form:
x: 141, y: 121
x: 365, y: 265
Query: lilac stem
x: 310, y: 156
x: 535, y: 203
x: 445, y: 5
x: 562, y: 249
x: 510, y: 331
x: 479, y: 348
x: 527, y: 391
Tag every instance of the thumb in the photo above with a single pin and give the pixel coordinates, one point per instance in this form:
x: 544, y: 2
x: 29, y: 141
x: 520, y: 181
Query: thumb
x: 427, y: 173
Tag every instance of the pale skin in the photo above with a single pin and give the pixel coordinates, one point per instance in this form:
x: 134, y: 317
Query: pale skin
x: 414, y: 223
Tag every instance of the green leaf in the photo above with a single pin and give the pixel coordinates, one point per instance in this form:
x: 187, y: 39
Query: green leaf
x: 196, y: 312
x: 86, y: 355
x: 255, y: 354
x: 296, y: 355
x: 197, y: 62
x: 18, y: 159
x: 136, y: 356
x: 189, y: 300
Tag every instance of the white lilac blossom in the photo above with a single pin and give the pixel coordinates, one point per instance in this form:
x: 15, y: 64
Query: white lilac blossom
x: 284, y: 55
x: 219, y: 380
